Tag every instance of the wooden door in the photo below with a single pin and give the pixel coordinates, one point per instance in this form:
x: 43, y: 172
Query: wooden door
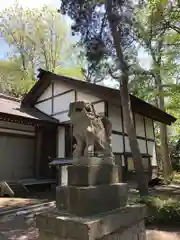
x: 47, y: 148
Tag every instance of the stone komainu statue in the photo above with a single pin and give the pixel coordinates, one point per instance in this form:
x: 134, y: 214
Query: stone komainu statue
x: 92, y: 132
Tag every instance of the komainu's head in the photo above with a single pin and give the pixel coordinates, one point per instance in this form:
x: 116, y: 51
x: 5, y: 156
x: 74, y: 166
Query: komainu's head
x: 80, y: 109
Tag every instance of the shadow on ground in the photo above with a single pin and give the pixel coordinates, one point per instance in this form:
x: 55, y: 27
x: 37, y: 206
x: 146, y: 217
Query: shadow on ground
x: 20, y: 226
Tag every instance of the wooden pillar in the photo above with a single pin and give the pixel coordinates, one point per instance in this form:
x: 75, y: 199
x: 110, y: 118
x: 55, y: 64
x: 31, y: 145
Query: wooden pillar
x: 38, y: 151
x: 59, y: 175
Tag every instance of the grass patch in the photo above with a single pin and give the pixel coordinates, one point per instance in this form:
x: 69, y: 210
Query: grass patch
x: 162, y: 211
x: 163, y: 203
x: 176, y: 178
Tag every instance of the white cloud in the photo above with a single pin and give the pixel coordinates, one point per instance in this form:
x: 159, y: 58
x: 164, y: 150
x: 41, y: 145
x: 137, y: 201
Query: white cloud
x: 30, y: 3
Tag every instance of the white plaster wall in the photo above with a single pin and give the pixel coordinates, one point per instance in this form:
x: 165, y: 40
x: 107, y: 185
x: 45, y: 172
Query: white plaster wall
x: 117, y: 143
x: 61, y: 142
x: 46, y: 94
x: 100, y: 107
x: 115, y: 118
x: 139, y: 123
x: 45, y: 106
x: 16, y: 126
x: 61, y: 103
x: 152, y: 152
x: 87, y: 97
x: 62, y: 117
x: 149, y: 128
x: 127, y: 146
x: 140, y: 131
x: 142, y: 146
x: 60, y: 87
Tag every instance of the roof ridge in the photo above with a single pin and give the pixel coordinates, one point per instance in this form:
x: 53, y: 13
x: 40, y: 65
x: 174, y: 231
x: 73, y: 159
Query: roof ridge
x: 4, y: 96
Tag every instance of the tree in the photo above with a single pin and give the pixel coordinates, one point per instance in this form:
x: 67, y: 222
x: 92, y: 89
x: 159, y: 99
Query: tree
x: 173, y: 107
x: 13, y: 79
x: 105, y: 28
x: 37, y: 38
x: 157, y: 30
x: 73, y: 72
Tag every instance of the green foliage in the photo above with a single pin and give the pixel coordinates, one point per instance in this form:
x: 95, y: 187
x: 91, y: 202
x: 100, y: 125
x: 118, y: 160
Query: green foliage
x: 160, y: 39
x: 175, y: 158
x: 73, y: 72
x: 13, y: 79
x: 176, y: 175
x: 38, y: 38
x: 162, y: 211
x: 157, y: 30
x: 173, y: 107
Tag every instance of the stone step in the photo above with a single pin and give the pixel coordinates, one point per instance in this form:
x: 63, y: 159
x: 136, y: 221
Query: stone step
x: 84, y: 201
x: 122, y: 224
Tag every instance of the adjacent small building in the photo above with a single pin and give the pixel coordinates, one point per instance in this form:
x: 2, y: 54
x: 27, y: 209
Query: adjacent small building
x: 19, y: 129
x: 37, y: 130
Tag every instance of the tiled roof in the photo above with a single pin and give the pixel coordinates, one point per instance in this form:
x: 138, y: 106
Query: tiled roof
x: 12, y: 106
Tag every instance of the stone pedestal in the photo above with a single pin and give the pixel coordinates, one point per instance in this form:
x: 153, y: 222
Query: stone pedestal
x: 121, y: 224
x: 85, y: 201
x: 92, y: 206
x: 92, y: 175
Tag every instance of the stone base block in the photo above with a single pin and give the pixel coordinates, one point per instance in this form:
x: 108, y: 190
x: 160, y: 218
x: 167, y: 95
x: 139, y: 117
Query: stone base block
x: 84, y: 161
x: 62, y: 197
x: 122, y: 224
x: 85, y: 201
x: 93, y: 175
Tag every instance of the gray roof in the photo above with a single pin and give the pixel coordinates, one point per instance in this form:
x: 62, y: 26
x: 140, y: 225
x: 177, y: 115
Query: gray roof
x: 12, y: 106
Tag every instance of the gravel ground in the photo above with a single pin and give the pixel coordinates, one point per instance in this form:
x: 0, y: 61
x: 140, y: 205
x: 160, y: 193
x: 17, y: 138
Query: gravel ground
x: 14, y: 203
x: 21, y: 226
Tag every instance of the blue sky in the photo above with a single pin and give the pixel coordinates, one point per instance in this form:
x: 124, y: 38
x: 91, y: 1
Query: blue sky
x: 3, y: 49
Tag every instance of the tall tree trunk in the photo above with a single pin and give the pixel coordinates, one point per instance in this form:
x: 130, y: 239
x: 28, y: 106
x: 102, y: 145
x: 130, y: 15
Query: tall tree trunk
x: 128, y: 118
x: 126, y: 104
x: 166, y: 162
x: 167, y: 168
x: 157, y: 61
